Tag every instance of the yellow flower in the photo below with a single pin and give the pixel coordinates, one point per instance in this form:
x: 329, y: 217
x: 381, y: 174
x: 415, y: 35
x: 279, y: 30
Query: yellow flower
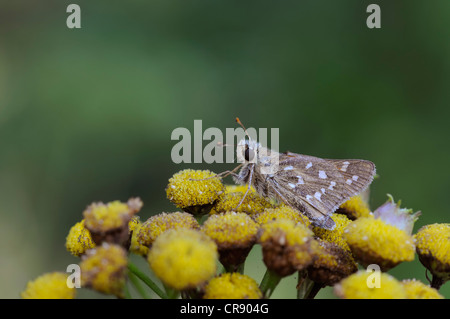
x: 355, y: 207
x: 243, y: 189
x: 335, y: 235
x: 252, y: 204
x: 372, y: 241
x: 417, y: 290
x: 239, y: 189
x: 332, y: 264
x: 79, y: 239
x: 49, y: 286
x: 283, y: 211
x: 109, y: 222
x: 384, y: 238
x: 433, y: 248
x: 157, y: 224
x: 232, y: 286
x: 234, y: 234
x: 231, y: 229
x: 104, y: 269
x: 286, y: 246
x: 183, y: 258
x: 361, y: 286
x: 194, y: 191
x: 134, y: 227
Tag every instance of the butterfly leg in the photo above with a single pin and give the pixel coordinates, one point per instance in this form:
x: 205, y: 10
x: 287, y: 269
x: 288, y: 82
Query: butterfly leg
x: 248, y: 189
x: 220, y: 175
x: 286, y: 202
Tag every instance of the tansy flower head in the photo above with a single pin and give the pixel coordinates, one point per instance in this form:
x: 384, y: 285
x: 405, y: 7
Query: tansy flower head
x: 332, y: 264
x: 392, y: 214
x: 286, y: 246
x: 415, y: 289
x: 252, y: 203
x: 283, y: 211
x: 382, y: 239
x: 433, y: 248
x: 104, y: 269
x: 354, y: 208
x: 360, y: 285
x: 183, y: 258
x: 157, y: 224
x: 238, y: 189
x: 234, y: 234
x: 134, y: 227
x: 109, y: 222
x: 194, y: 191
x: 335, y: 235
x: 232, y: 286
x: 79, y: 239
x: 49, y: 286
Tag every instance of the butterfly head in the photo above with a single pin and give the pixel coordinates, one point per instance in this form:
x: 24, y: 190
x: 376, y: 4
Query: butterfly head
x: 247, y: 151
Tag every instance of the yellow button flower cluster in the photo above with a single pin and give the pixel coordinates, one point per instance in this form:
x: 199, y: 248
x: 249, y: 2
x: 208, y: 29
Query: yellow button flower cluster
x: 49, y: 286
x: 221, y: 224
x: 157, y: 224
x: 283, y: 211
x: 234, y: 234
x: 183, y: 258
x: 232, y: 286
x: 195, y: 191
x: 79, y: 239
x: 104, y: 269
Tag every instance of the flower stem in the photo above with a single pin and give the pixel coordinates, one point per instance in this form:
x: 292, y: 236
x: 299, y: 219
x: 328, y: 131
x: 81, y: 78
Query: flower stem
x: 146, y: 279
x: 137, y: 284
x: 235, y: 268
x: 269, y: 283
x: 306, y: 288
x: 436, y: 282
x: 171, y: 293
x: 126, y: 292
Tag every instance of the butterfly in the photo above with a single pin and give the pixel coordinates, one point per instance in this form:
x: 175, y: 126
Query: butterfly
x: 313, y: 186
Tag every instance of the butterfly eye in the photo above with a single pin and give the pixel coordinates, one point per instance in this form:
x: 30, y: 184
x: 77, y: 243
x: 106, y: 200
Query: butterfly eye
x: 249, y: 154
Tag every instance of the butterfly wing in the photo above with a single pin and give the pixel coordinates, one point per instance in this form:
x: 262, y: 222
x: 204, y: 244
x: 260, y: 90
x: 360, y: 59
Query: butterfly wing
x: 317, y: 187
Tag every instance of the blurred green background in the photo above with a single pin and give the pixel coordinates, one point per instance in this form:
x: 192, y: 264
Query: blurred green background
x: 87, y: 114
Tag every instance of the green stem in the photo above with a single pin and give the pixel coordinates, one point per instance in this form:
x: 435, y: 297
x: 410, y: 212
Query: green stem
x: 235, y: 268
x: 314, y: 290
x: 304, y: 285
x: 146, y: 279
x: 269, y: 283
x: 171, y: 293
x: 126, y: 292
x: 137, y: 284
x: 436, y: 282
x: 306, y: 288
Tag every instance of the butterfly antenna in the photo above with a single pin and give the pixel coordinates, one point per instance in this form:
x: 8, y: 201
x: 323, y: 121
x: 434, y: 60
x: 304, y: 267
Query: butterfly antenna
x: 242, y: 125
x: 222, y: 144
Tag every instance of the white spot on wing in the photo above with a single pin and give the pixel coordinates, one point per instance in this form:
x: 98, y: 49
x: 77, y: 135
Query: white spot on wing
x: 291, y: 185
x: 349, y: 181
x: 288, y: 168
x: 309, y: 198
x: 322, y: 174
x: 344, y: 166
x: 300, y: 180
x: 309, y: 165
x: 323, y: 190
x: 317, y: 195
x: 355, y: 178
x: 332, y: 184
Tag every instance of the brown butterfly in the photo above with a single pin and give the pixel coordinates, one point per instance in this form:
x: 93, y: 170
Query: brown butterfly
x: 313, y: 186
